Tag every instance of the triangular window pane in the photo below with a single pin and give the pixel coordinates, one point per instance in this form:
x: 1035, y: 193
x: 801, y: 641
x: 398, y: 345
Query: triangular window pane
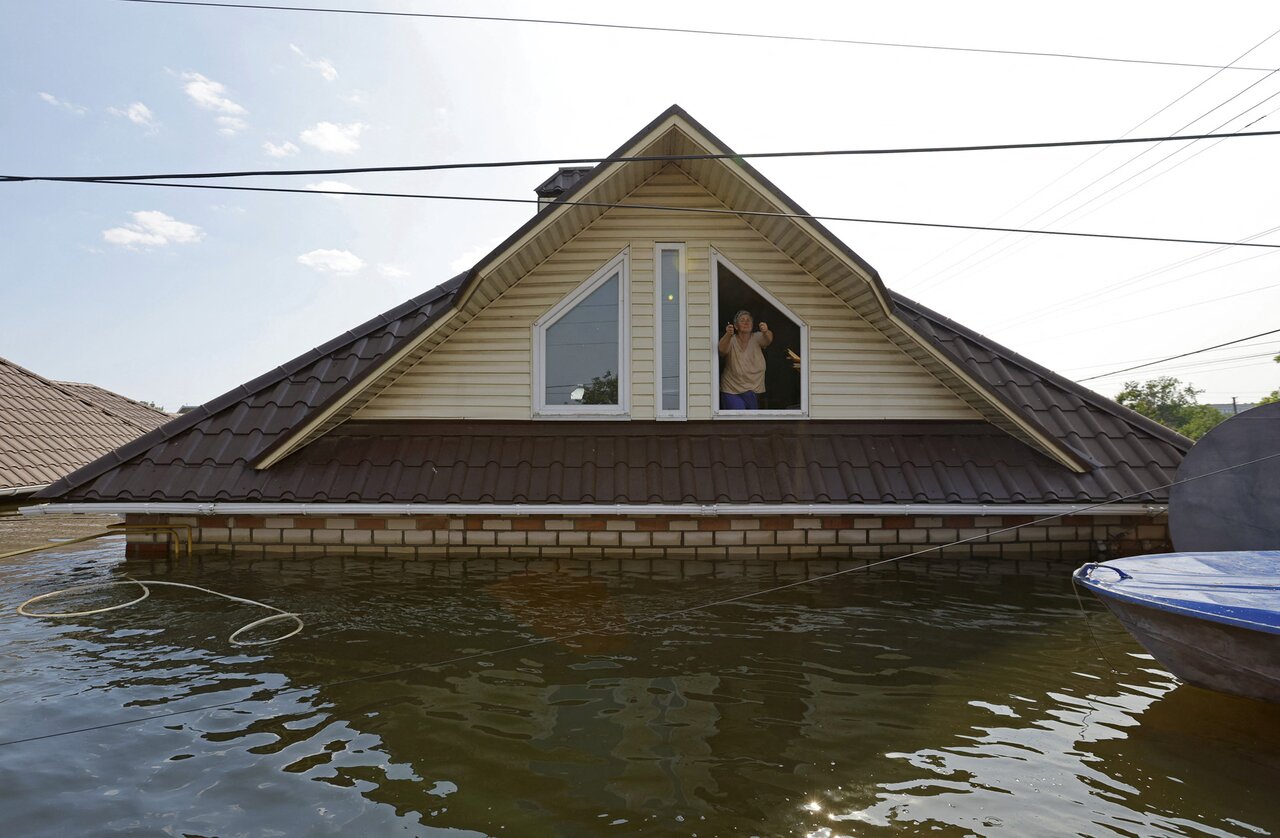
x: 583, y: 348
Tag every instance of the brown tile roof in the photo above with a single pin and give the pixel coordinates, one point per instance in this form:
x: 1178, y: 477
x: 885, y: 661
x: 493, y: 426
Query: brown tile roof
x: 49, y: 428
x: 238, y: 425
x: 207, y: 455
x: 628, y: 463
x: 122, y: 406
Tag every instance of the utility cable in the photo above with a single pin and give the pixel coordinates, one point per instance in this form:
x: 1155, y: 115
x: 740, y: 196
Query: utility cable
x: 649, y: 158
x: 1175, y: 357
x: 1080, y: 165
x: 689, y: 31
x: 1259, y: 345
x: 625, y: 624
x: 1117, y: 290
x: 1068, y: 213
x: 697, y: 210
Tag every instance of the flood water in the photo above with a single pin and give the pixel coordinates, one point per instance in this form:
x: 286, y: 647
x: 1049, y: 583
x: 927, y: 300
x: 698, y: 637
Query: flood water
x: 912, y: 698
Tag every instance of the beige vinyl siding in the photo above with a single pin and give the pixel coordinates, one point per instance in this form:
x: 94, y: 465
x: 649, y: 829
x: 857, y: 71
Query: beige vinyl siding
x: 484, y: 370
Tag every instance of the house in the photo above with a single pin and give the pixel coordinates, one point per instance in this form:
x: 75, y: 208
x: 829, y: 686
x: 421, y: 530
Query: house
x: 51, y: 428
x: 559, y: 400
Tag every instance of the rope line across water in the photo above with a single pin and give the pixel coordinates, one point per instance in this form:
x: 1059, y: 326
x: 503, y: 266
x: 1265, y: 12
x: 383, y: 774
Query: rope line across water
x: 280, y: 614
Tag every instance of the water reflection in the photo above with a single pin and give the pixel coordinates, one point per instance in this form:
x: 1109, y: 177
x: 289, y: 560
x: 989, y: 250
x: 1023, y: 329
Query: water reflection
x: 913, y: 698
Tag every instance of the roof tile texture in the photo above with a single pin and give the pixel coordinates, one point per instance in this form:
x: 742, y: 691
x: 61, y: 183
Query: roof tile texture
x: 50, y: 428
x: 208, y: 455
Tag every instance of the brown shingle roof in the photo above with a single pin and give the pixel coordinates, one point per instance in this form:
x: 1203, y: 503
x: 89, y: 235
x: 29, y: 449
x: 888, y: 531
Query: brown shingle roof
x: 126, y: 408
x: 49, y: 428
x: 625, y: 463
x: 238, y: 425
x: 207, y: 455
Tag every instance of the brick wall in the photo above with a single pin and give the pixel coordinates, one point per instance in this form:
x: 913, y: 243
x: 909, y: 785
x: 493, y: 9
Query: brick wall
x: 1076, y: 537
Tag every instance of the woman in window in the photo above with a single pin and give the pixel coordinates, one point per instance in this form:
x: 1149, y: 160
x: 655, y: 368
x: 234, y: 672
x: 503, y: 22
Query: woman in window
x: 742, y: 348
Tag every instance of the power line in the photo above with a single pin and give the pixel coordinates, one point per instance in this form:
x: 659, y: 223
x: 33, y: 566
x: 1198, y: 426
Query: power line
x: 627, y: 624
x: 689, y: 31
x: 1257, y: 345
x: 1213, y: 362
x: 1175, y: 357
x: 1081, y: 164
x: 650, y: 158
x: 1116, y: 290
x: 696, y: 210
x: 1152, y: 314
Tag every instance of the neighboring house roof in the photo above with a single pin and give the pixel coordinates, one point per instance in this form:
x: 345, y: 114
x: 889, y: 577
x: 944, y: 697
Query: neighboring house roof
x: 50, y: 428
x: 207, y: 455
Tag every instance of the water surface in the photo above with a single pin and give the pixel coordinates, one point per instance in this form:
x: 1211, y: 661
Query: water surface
x: 920, y: 697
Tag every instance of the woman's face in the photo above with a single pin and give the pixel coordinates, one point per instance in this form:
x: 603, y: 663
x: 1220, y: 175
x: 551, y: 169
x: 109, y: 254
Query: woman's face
x: 745, y: 323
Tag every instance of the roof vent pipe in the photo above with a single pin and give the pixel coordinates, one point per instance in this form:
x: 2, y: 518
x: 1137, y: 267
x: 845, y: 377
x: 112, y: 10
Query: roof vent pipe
x: 554, y: 187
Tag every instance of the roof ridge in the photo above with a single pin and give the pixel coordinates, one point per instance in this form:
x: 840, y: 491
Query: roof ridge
x: 217, y: 404
x: 1091, y: 397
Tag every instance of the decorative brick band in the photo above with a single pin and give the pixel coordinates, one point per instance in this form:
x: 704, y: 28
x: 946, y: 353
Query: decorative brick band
x: 780, y: 537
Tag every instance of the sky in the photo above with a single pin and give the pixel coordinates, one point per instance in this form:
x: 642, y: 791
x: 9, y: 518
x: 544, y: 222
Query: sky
x: 175, y: 296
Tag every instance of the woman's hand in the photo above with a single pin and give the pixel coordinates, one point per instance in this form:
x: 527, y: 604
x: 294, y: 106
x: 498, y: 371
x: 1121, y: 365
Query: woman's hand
x: 764, y: 327
x: 729, y: 329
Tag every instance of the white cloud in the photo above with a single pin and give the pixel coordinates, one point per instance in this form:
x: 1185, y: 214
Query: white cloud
x: 231, y: 125
x: 151, y: 228
x: 320, y: 65
x: 332, y: 261
x: 210, y: 95
x: 329, y: 136
x: 392, y: 271
x: 355, y: 97
x: 70, y: 107
x: 469, y: 258
x: 285, y: 149
x: 138, y: 114
x: 331, y: 186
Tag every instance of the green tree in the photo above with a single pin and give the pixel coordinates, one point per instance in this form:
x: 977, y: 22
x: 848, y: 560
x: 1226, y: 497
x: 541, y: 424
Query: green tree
x: 1274, y: 395
x: 1171, y: 403
x: 603, y: 389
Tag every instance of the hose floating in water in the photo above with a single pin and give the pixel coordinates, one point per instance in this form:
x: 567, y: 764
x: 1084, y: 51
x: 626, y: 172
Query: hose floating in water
x: 146, y: 592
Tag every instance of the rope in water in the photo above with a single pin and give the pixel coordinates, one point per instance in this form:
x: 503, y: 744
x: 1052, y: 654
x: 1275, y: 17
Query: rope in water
x: 280, y: 614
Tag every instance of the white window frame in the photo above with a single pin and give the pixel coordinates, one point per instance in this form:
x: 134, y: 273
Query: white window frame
x: 683, y: 411
x: 619, y: 264
x: 717, y: 331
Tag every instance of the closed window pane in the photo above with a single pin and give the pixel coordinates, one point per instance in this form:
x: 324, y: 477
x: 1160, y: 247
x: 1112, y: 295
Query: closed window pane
x: 582, y: 350
x: 670, y: 302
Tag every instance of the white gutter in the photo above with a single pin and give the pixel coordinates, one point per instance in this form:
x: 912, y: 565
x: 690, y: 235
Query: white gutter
x: 21, y: 490
x: 331, y: 510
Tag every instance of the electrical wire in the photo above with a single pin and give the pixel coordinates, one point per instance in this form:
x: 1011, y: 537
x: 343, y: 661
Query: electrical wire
x: 623, y: 624
x: 1117, y: 290
x: 1257, y: 345
x: 1107, y: 174
x: 646, y: 158
x: 1075, y: 168
x: 696, y: 210
x: 1175, y: 357
x: 689, y: 31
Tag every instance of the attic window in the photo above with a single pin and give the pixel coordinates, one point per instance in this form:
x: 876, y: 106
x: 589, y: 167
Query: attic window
x: 786, y: 380
x: 580, y: 348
